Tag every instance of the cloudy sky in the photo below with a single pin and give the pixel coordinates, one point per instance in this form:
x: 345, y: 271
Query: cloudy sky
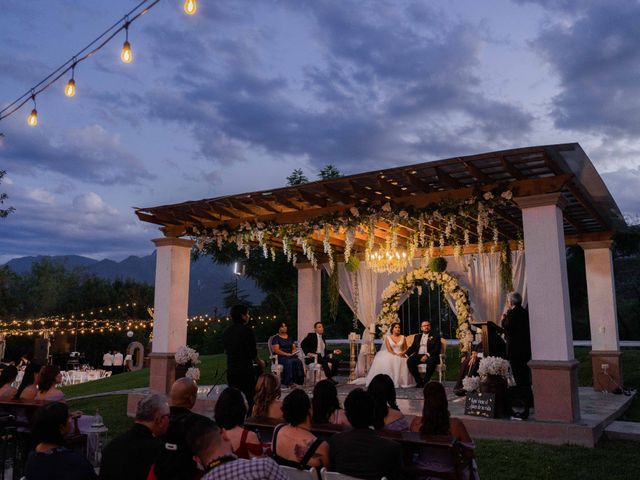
x: 237, y: 96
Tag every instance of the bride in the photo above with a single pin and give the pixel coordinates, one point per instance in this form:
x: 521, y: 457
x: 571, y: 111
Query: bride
x: 391, y: 359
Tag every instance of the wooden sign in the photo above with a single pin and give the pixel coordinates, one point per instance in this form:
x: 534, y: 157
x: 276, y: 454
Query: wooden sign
x: 480, y: 405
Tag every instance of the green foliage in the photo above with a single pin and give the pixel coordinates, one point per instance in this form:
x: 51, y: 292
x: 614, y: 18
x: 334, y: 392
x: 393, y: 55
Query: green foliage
x: 438, y: 264
x: 353, y: 264
x: 506, y: 274
x: 329, y: 171
x: 233, y: 295
x: 3, y: 197
x: 297, y: 177
x: 334, y: 293
x: 627, y: 241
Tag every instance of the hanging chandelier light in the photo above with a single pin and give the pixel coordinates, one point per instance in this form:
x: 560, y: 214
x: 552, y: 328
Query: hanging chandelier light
x: 388, y: 259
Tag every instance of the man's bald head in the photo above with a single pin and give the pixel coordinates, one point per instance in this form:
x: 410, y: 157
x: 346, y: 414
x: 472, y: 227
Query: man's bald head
x: 184, y: 393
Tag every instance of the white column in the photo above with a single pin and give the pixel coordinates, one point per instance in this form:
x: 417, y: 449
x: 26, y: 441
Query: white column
x: 309, y: 300
x: 546, y: 272
x: 171, y: 301
x: 601, y: 291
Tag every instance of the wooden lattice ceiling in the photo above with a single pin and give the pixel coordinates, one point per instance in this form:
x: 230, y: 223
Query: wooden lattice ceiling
x: 590, y: 212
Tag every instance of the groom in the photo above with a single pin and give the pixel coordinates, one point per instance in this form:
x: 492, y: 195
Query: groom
x: 425, y: 348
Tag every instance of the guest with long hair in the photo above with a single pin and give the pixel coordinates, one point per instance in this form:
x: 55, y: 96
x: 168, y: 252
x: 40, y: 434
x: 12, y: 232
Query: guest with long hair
x: 266, y: 402
x: 436, y: 420
x: 325, y: 404
x: 387, y: 413
x: 7, y: 377
x: 29, y: 386
x: 50, y: 376
x: 51, y: 459
x: 230, y: 412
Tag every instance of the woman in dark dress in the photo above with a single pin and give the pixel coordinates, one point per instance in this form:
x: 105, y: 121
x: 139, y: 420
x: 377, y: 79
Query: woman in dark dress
x: 283, y: 346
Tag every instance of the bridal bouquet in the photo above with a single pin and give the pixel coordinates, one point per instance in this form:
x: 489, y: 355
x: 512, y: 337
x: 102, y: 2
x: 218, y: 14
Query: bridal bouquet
x: 187, y: 356
x: 494, y: 366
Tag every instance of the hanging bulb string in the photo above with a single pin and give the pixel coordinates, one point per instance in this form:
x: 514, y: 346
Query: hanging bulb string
x: 82, y: 55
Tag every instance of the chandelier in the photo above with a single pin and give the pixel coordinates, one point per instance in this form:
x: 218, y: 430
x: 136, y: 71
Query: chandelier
x: 388, y: 259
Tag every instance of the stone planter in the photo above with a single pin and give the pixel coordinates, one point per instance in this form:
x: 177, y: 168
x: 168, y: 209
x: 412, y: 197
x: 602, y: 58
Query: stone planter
x: 497, y: 385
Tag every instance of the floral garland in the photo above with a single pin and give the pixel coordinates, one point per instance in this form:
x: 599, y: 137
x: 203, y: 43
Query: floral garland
x: 408, y: 282
x: 456, y: 219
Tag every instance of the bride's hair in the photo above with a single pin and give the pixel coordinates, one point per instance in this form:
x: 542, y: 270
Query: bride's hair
x: 393, y: 326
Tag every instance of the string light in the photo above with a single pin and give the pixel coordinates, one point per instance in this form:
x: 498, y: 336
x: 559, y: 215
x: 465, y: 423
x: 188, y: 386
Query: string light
x: 127, y: 55
x: 32, y: 120
x: 190, y: 7
x: 70, y: 89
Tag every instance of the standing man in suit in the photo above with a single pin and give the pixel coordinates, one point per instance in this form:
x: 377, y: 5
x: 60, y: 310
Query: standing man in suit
x: 240, y: 347
x: 426, y: 348
x: 315, y: 342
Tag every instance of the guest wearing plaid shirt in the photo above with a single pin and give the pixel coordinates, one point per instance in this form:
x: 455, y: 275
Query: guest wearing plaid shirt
x: 212, y: 448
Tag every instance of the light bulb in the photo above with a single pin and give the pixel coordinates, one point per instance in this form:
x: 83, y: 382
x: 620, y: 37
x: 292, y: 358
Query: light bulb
x: 33, y: 118
x: 126, y: 56
x: 70, y: 89
x: 190, y: 7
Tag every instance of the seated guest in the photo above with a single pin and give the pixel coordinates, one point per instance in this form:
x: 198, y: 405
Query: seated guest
x: 130, y: 455
x: 283, y: 346
x: 436, y: 420
x: 212, y: 449
x: 325, y: 404
x: 50, y: 459
x: 360, y: 452
x: 293, y: 444
x: 7, y: 377
x: 29, y: 386
x: 50, y: 376
x: 230, y: 412
x: 175, y: 460
x: 267, y: 402
x: 387, y: 414
x: 314, y: 343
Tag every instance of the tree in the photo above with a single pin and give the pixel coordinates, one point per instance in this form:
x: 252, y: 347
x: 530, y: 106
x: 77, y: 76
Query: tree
x: 3, y: 197
x: 297, y: 177
x: 233, y: 295
x: 329, y: 172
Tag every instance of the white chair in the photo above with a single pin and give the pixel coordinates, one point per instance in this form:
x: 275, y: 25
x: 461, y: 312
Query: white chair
x: 296, y: 474
x: 276, y: 368
x: 313, y: 371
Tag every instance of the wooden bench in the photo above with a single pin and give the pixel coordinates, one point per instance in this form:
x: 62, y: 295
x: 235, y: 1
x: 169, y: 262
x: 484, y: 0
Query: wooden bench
x: 412, y: 443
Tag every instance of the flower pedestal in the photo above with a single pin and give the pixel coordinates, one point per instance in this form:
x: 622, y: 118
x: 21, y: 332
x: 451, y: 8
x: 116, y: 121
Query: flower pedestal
x: 497, y: 385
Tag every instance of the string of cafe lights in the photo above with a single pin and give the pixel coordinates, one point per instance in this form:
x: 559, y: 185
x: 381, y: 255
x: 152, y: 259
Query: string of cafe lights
x: 126, y: 55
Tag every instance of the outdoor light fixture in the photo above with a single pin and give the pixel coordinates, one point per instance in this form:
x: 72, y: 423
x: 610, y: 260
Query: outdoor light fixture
x: 126, y: 56
x: 70, y: 89
x: 32, y: 120
x: 190, y: 7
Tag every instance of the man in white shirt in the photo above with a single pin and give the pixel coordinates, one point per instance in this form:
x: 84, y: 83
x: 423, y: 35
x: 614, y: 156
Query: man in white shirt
x: 107, y: 361
x: 118, y: 362
x: 426, y: 348
x: 314, y: 343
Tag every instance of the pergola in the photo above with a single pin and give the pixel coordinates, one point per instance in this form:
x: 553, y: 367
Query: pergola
x: 559, y: 199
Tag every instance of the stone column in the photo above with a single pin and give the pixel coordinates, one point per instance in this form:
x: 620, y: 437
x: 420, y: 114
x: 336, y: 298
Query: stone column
x: 603, y: 316
x: 173, y: 259
x: 308, y: 299
x: 553, y: 367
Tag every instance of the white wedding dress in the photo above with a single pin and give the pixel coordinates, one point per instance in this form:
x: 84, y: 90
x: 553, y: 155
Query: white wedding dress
x: 392, y: 365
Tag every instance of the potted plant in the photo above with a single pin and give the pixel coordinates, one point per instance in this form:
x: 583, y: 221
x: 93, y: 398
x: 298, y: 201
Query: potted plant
x: 186, y: 357
x: 494, y: 372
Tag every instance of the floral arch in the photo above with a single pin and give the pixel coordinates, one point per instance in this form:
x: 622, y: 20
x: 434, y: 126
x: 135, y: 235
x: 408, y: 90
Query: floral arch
x: 409, y: 282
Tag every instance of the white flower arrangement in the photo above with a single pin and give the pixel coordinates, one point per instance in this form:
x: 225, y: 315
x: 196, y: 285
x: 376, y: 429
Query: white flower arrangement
x: 494, y: 366
x: 185, y: 355
x: 194, y: 373
x: 471, y: 384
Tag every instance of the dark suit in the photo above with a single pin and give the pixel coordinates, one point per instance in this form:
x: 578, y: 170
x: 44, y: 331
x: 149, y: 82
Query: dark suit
x: 363, y: 454
x: 434, y: 348
x: 310, y: 345
x: 516, y: 329
x: 240, y: 346
x: 130, y: 455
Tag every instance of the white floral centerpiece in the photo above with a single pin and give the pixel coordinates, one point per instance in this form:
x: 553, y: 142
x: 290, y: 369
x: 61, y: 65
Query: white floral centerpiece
x: 494, y: 366
x: 471, y: 384
x: 187, y: 356
x: 194, y: 373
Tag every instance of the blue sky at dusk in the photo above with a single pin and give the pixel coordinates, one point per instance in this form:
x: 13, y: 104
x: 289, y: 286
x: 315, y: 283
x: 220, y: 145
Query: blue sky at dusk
x: 235, y: 97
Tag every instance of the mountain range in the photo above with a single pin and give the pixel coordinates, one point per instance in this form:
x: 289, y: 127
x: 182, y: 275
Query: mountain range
x: 206, y: 277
